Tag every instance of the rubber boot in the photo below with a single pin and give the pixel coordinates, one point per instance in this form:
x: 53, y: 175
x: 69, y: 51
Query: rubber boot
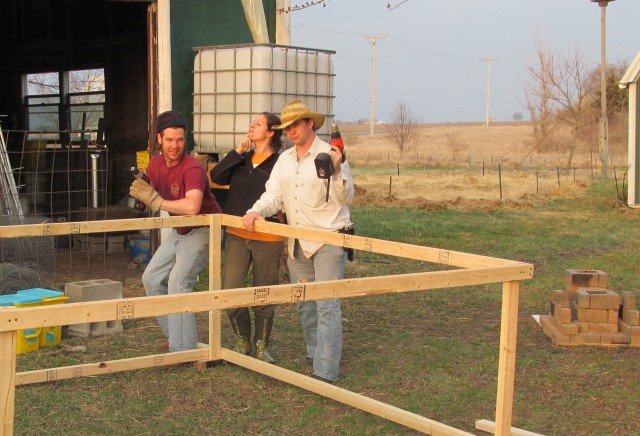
x: 241, y: 324
x: 263, y: 332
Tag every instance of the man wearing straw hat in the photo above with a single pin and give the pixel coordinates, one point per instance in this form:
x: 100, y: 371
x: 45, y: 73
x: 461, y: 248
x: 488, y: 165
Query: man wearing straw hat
x: 295, y: 188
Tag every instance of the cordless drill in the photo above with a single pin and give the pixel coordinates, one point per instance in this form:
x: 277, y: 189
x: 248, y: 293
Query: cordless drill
x: 336, y: 139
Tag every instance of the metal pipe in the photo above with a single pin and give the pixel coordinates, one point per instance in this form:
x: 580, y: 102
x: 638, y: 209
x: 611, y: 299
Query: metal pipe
x: 95, y: 185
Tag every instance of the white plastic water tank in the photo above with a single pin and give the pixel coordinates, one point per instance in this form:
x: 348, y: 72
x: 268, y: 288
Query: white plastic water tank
x: 234, y: 83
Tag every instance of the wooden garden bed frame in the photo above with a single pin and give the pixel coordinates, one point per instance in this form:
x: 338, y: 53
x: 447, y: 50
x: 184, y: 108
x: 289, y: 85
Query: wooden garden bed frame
x: 475, y: 270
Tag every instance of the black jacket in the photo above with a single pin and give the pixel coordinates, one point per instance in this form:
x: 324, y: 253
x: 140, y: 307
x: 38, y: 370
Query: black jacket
x: 246, y: 183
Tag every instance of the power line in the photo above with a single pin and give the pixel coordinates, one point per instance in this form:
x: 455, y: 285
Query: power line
x: 430, y: 51
x: 326, y: 30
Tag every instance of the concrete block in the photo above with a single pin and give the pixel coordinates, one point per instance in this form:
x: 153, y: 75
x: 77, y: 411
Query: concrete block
x: 631, y: 317
x: 599, y: 298
x: 89, y: 243
x: 560, y: 297
x: 591, y: 315
x: 595, y: 327
x: 562, y: 314
x: 629, y: 300
x: 588, y: 338
x: 550, y: 329
x: 583, y: 298
x: 93, y: 290
x: 565, y: 328
x: 613, y: 316
x: 583, y: 327
x: 582, y: 278
x: 633, y: 331
x: 115, y: 244
x: 614, y: 338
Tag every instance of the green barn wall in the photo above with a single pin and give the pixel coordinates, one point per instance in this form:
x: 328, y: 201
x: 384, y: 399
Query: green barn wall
x: 200, y: 23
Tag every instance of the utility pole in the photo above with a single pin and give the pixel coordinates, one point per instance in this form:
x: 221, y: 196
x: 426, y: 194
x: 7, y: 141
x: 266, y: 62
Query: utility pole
x: 604, y: 122
x: 373, y: 40
x: 488, y: 61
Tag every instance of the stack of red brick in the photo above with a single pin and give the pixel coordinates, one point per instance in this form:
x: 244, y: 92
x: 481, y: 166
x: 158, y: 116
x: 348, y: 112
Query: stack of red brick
x: 588, y: 313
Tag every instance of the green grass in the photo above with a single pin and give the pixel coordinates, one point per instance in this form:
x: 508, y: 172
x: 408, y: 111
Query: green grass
x: 433, y: 353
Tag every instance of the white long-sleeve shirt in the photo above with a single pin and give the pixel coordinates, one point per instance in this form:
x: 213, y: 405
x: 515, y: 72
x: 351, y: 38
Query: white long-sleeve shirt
x: 295, y: 188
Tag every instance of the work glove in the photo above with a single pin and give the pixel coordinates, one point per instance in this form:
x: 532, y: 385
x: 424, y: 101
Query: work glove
x: 204, y: 160
x: 146, y: 194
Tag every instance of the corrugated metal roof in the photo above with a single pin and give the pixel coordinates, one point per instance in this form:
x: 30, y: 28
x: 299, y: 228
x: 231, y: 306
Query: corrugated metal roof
x: 632, y: 74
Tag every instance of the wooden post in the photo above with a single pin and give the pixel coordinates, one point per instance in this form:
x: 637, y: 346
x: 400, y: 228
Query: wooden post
x: 507, y: 357
x: 537, y: 184
x: 215, y: 283
x: 390, y: 178
x: 500, y: 179
x: 7, y: 381
x: 558, y: 174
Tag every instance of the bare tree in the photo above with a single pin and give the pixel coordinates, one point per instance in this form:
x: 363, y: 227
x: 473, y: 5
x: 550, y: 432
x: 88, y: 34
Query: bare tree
x: 403, y: 128
x: 570, y: 93
x: 87, y: 88
x: 558, y: 92
x: 537, y: 93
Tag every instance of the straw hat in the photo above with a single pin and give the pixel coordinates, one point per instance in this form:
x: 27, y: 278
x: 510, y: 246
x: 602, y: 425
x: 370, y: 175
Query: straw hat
x: 296, y: 110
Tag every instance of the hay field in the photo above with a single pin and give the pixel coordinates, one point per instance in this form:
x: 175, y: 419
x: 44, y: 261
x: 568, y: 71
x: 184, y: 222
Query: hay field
x: 456, y: 166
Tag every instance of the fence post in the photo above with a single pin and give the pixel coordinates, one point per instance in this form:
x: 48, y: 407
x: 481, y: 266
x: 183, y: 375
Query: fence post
x: 398, y: 170
x: 500, y: 178
x: 215, y: 283
x: 507, y: 357
x: 390, y: 178
x: 558, y: 173
x: 537, y: 184
x: 7, y: 381
x: 483, y: 168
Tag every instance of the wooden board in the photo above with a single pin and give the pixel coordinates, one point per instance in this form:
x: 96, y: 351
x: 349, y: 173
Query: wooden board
x: 344, y: 396
x: 490, y: 427
x: 142, y: 307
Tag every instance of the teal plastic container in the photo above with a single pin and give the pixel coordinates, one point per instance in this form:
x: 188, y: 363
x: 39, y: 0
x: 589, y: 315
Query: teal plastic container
x: 28, y: 339
x: 41, y: 293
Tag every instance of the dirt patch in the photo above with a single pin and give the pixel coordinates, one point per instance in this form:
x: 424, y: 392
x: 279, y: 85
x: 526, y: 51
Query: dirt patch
x: 446, y: 192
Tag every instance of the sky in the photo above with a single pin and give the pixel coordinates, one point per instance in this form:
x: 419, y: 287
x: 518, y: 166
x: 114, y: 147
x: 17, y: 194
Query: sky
x: 432, y: 55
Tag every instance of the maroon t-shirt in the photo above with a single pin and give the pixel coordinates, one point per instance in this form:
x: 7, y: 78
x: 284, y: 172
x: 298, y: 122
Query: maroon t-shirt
x: 173, y: 183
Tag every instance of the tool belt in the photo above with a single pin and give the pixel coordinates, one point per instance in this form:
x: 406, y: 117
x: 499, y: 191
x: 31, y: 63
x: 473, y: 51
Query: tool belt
x: 350, y: 230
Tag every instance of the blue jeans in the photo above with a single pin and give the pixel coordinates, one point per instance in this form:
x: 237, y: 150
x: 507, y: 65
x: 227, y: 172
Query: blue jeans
x: 174, y: 269
x: 321, y: 320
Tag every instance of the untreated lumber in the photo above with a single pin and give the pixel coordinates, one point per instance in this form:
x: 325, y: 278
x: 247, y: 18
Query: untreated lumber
x: 507, y: 357
x: 111, y: 366
x: 7, y: 381
x: 75, y: 228
x: 143, y: 307
x: 375, y: 407
x: 490, y: 426
x: 398, y: 249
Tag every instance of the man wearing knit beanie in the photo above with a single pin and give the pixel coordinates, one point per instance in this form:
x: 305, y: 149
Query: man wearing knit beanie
x: 179, y: 186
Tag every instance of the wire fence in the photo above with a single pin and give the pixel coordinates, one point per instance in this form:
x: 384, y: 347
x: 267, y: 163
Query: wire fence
x: 50, y: 177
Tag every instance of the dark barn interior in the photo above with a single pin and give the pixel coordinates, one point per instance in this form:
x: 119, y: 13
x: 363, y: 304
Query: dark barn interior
x: 74, y: 84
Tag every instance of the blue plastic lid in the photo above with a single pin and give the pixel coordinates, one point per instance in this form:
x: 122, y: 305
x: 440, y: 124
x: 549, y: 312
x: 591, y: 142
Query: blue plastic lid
x: 13, y: 299
x: 41, y: 293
